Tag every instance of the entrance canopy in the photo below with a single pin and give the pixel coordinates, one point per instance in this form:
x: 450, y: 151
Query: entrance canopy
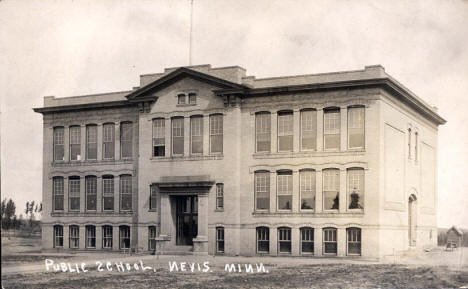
x: 185, y: 184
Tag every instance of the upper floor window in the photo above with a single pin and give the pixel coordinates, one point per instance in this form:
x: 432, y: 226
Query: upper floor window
x: 356, y: 127
x: 263, y: 131
x: 108, y: 140
x: 308, y: 129
x: 58, y: 144
x: 177, y: 135
x: 75, y: 143
x: 216, y: 133
x: 307, y: 189
x: 125, y: 193
x: 192, y: 98
x: 58, y: 236
x: 91, y: 193
x: 219, y: 239
x: 262, y: 190
x: 126, y: 132
x: 285, y: 131
x: 355, y: 188
x: 181, y: 98
x: 331, y: 129
x: 219, y: 196
x: 91, y: 142
x: 153, y: 198
x: 331, y: 189
x: 74, y: 193
x: 159, y: 142
x: 57, y: 193
x: 196, y: 134
x: 285, y: 187
x: 108, y: 193
x: 284, y: 240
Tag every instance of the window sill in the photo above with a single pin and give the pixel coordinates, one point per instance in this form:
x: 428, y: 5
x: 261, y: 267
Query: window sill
x: 185, y: 104
x: 153, y: 211
x: 219, y: 210
x: 308, y: 214
x: 187, y: 158
x: 91, y: 214
x: 302, y: 154
x: 90, y: 162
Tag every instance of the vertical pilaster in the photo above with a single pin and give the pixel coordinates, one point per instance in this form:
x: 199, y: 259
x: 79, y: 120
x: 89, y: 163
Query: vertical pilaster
x: 342, y: 194
x: 99, y: 194
x: 295, y: 241
x: 115, y: 237
x: 318, y: 191
x: 203, y: 217
x: 187, y: 140
x: 66, y: 237
x: 117, y: 141
x: 82, y: 234
x: 66, y: 143
x: 295, y: 194
x: 98, y: 237
x: 168, y: 137
x: 99, y: 141
x: 206, y: 134
x: 318, y: 241
x: 274, y: 132
x: 65, y: 194
x: 116, y: 194
x: 273, y: 241
x: 166, y: 217
x: 296, y: 130
x: 82, y: 194
x: 344, y: 128
x: 272, y: 191
x: 319, y: 129
x: 341, y: 239
x: 83, y: 143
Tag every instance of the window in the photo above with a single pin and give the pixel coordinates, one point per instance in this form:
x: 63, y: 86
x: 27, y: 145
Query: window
x: 152, y: 238
x: 153, y: 198
x: 263, y: 240
x: 58, y: 236
x: 416, y: 146
x: 263, y: 131
x: 159, y: 132
x: 262, y: 190
x: 285, y: 131
x: 58, y: 144
x: 284, y: 240
x: 219, y: 196
x: 124, y: 237
x: 178, y: 136
x: 216, y: 133
x: 181, y: 98
x: 331, y: 189
x: 74, y: 193
x: 307, y: 189
x: 75, y: 143
x: 90, y: 237
x: 409, y: 143
x: 108, y: 193
x: 108, y: 141
x: 91, y: 193
x: 356, y: 127
x: 329, y: 241
x: 57, y: 193
x: 354, y: 241
x: 331, y: 129
x: 107, y: 237
x: 196, y: 134
x: 285, y: 186
x: 220, y: 239
x: 126, y: 132
x: 308, y: 129
x: 91, y: 142
x: 355, y: 188
x: 192, y: 98
x: 74, y: 234
x: 125, y: 193
x: 307, y: 240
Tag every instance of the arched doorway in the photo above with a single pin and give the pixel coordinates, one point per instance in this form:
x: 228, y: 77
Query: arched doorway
x: 412, y: 221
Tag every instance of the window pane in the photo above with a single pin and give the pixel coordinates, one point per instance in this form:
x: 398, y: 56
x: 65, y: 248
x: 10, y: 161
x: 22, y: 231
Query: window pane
x: 58, y: 143
x: 219, y: 196
x: 181, y: 99
x: 90, y: 237
x: 308, y: 129
x: 178, y: 136
x: 108, y: 140
x: 356, y: 127
x: 331, y: 129
x: 126, y: 132
x: 153, y: 199
x: 124, y: 237
x: 74, y: 235
x: 263, y: 132
x: 192, y: 98
x: 196, y: 130
x: 91, y: 142
x: 284, y: 192
x: 108, y: 193
x: 355, y: 188
x: 263, y: 240
x: 107, y: 237
x: 262, y: 190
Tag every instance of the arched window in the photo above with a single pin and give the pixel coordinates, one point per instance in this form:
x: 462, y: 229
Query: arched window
x: 355, y: 188
x: 219, y: 239
x: 308, y: 129
x: 307, y: 189
x: 159, y: 140
x: 90, y: 236
x: 152, y: 238
x: 58, y: 144
x: 284, y: 190
x: 331, y: 128
x: 262, y: 190
x: 58, y: 193
x: 74, y: 236
x: 285, y: 131
x: 330, y: 244
x: 284, y: 240
x: 124, y: 236
x: 354, y: 241
x: 263, y: 239
x: 307, y: 240
x: 263, y: 131
x: 58, y: 236
x: 91, y: 142
x: 91, y: 193
x: 107, y: 236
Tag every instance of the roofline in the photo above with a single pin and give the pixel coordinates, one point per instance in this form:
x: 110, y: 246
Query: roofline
x: 73, y: 107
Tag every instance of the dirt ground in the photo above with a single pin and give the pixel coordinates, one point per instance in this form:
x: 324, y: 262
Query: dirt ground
x: 23, y: 267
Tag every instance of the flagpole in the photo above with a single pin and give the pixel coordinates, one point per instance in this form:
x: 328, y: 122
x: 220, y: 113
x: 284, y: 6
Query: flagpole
x: 191, y: 24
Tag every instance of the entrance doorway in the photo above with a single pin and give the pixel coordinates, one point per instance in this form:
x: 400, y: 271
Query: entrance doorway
x: 187, y: 219
x: 412, y: 220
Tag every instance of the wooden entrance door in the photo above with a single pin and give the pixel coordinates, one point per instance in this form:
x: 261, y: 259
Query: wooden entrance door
x: 187, y: 219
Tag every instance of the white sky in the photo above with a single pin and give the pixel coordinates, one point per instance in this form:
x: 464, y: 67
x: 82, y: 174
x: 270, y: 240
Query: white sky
x: 66, y: 48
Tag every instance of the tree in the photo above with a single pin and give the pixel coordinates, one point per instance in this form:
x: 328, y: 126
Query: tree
x: 3, y: 209
x: 10, y: 211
